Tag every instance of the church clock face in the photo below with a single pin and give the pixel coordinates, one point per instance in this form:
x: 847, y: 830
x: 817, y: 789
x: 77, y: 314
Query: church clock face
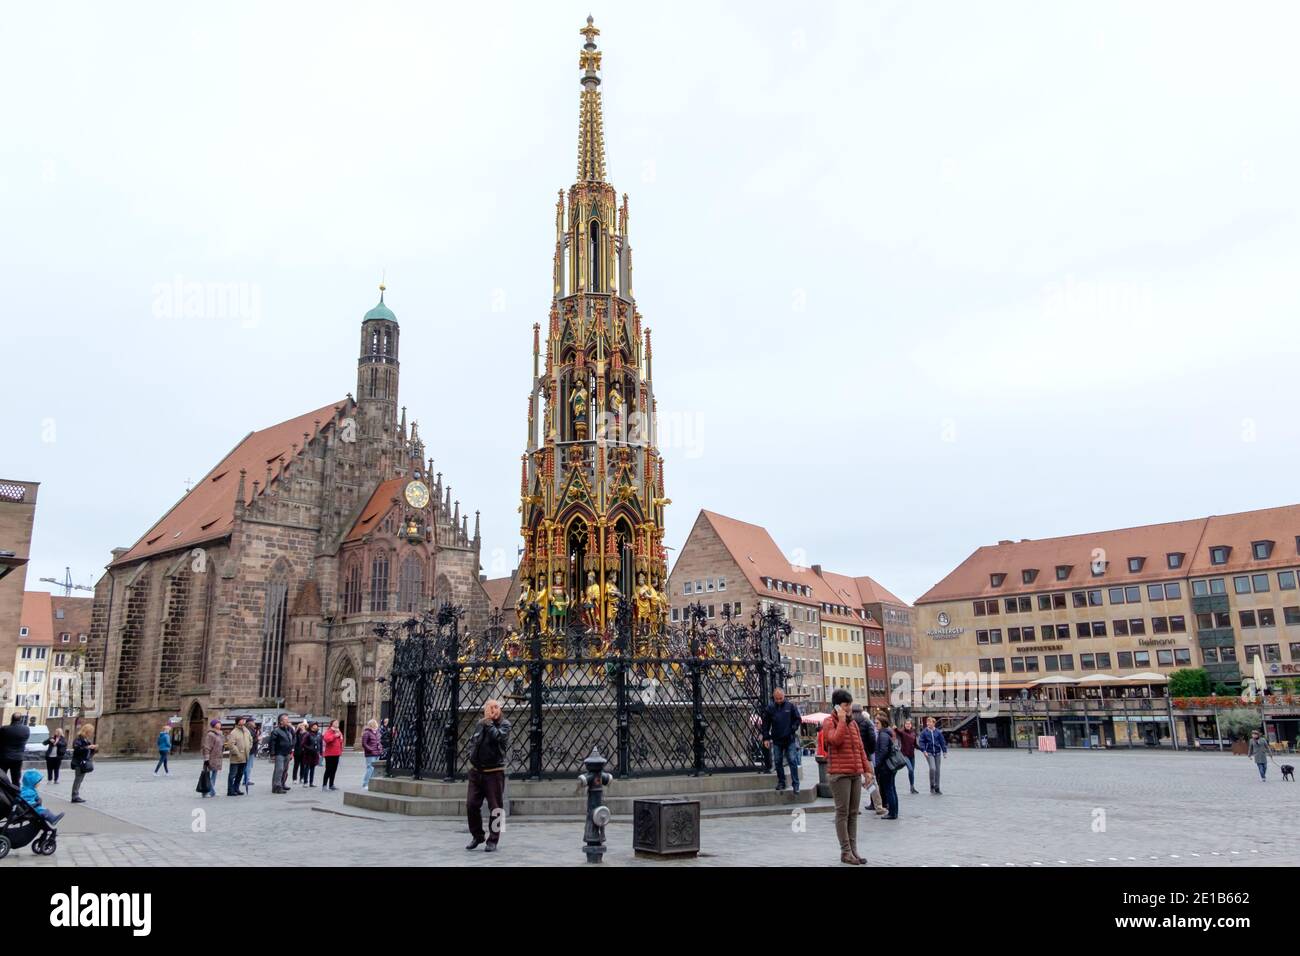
x: 417, y: 494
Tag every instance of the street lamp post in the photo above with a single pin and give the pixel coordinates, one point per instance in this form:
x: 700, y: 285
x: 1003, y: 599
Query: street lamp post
x: 1027, y: 708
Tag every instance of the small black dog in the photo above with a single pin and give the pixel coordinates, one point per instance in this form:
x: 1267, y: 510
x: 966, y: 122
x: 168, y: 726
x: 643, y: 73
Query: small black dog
x: 1288, y: 772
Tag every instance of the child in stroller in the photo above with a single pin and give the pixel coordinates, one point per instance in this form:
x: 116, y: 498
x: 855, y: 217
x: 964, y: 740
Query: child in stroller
x: 21, y: 823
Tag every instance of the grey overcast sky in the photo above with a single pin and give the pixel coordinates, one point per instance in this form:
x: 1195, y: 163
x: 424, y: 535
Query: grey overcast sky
x: 921, y: 276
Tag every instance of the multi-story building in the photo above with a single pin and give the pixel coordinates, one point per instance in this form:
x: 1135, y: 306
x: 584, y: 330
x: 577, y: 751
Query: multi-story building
x: 31, y: 660
x: 72, y: 695
x: 17, y: 512
x: 737, y: 564
x: 847, y: 614
x: 895, y: 617
x: 1107, y: 616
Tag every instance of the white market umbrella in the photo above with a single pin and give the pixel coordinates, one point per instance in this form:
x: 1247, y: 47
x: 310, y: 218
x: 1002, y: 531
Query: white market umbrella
x: 1260, y: 681
x: 1097, y: 678
x: 1148, y: 677
x: 1058, y: 679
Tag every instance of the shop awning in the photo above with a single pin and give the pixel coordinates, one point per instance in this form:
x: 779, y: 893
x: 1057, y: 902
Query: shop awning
x: 1101, y: 679
x: 1057, y: 679
x: 1149, y: 677
x: 817, y: 718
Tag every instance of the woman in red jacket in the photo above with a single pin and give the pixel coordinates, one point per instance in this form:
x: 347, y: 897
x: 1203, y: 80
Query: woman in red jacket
x: 849, y: 770
x: 333, y: 750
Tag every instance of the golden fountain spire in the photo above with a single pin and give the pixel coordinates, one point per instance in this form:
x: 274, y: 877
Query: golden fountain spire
x: 591, y: 132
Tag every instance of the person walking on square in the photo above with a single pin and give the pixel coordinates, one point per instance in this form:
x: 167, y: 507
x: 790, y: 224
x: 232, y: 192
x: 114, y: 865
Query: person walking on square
x: 934, y: 746
x: 13, y: 747
x: 55, y: 748
x: 164, y: 746
x: 298, y: 734
x: 281, y: 746
x: 887, y: 765
x: 372, y: 749
x: 781, y: 721
x: 907, y: 743
x: 332, y: 749
x: 241, y: 743
x: 487, y: 776
x: 867, y: 731
x: 255, y: 732
x: 1259, y: 753
x: 386, y: 736
x: 849, y: 770
x: 213, y: 745
x: 311, y: 748
x: 83, y: 758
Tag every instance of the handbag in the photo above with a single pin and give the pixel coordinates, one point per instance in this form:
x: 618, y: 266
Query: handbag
x: 894, y: 760
x: 88, y: 765
x: 204, y: 784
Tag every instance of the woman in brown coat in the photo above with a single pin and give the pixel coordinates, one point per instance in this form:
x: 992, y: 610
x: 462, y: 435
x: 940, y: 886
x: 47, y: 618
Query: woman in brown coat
x: 849, y: 770
x: 213, y: 744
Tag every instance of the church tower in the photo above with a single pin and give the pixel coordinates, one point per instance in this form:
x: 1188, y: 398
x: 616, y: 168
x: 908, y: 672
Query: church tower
x: 377, y: 379
x: 592, y: 481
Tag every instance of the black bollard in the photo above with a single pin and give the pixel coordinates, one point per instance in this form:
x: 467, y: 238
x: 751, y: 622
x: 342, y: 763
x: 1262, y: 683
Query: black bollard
x: 594, y: 779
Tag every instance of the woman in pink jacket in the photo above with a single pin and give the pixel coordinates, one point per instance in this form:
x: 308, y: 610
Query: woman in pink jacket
x: 332, y: 751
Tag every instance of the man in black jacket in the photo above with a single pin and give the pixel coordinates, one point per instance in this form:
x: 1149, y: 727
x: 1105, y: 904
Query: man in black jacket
x: 487, y: 777
x: 282, y: 742
x: 13, y: 747
x: 781, y: 720
x: 867, y: 731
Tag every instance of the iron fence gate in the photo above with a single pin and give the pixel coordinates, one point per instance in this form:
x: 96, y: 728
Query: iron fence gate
x: 682, y: 700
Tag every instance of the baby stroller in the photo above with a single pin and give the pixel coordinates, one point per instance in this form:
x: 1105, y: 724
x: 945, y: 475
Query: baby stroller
x: 20, y: 824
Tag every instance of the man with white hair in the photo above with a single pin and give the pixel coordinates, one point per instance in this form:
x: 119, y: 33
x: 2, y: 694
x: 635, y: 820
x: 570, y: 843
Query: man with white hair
x: 487, y: 777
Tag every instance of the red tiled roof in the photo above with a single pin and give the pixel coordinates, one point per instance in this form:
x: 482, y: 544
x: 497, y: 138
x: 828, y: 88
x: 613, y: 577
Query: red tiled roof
x: 873, y: 592
x: 757, y: 555
x: 378, y: 505
x: 1192, y: 538
x: 38, y: 618
x: 496, y: 590
x: 207, y: 511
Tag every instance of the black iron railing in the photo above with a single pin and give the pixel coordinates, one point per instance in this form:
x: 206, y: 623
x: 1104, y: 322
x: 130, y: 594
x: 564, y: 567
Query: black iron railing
x: 665, y: 701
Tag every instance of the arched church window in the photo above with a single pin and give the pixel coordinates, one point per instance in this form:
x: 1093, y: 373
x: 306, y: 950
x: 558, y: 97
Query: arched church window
x: 379, y: 582
x: 410, y: 590
x: 274, y: 620
x: 387, y: 343
x: 374, y: 341
x: 593, y: 256
x: 352, y: 589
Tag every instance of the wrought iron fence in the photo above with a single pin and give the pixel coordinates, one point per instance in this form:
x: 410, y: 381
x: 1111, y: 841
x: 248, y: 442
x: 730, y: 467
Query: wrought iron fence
x: 675, y: 700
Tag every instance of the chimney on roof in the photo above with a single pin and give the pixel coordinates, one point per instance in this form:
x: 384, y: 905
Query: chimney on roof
x: 817, y: 570
x: 1005, y: 541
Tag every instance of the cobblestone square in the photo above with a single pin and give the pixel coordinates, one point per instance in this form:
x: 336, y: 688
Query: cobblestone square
x: 999, y: 808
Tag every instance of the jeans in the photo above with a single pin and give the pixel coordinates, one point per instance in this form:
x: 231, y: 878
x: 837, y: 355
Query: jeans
x: 888, y: 792
x: 1263, y: 769
x: 370, y: 770
x: 248, y: 770
x: 846, y: 788
x: 792, y: 754
x: 484, y: 786
x: 162, y: 762
x: 911, y: 772
x: 281, y: 771
x: 234, y: 778
x: 934, y: 760
x: 309, y: 774
x: 212, y: 782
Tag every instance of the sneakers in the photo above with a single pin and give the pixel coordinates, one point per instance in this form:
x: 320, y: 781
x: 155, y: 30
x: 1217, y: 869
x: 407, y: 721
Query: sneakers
x: 475, y: 843
x: 77, y: 800
x: 53, y: 820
